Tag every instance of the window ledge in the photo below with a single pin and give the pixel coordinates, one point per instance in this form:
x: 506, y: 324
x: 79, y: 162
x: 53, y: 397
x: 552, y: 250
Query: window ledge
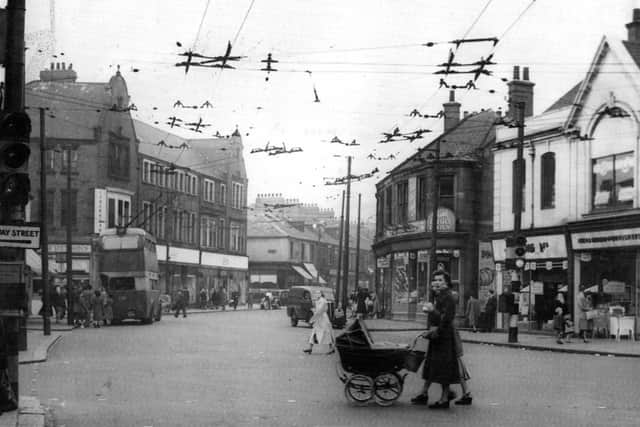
x: 612, y: 211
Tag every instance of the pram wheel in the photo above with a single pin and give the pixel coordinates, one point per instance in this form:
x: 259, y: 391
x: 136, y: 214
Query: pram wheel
x: 359, y: 389
x: 387, y: 388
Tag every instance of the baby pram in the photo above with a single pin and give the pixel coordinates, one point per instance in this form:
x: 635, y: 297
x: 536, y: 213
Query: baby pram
x: 370, y: 370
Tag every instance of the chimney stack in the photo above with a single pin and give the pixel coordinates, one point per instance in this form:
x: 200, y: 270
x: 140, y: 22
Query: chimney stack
x: 59, y: 73
x: 520, y: 91
x: 633, y: 27
x: 451, y: 112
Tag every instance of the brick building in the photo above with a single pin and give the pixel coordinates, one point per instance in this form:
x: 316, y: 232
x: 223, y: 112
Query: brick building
x: 405, y: 207
x: 192, y: 197
x: 88, y: 127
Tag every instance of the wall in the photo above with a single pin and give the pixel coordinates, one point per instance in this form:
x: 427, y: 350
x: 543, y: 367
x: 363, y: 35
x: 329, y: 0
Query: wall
x: 258, y: 249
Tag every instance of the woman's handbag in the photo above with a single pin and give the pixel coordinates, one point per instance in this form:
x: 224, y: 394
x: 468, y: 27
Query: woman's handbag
x: 414, y: 357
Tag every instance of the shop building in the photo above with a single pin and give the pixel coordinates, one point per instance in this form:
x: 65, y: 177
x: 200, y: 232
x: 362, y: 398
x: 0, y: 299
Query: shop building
x: 90, y: 156
x: 581, y: 193
x: 192, y: 197
x: 405, y: 200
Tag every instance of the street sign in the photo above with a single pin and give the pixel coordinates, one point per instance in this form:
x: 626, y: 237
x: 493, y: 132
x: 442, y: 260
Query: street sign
x: 20, y: 236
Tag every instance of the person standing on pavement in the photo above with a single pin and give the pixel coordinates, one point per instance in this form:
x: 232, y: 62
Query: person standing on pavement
x: 203, y: 298
x: 322, y: 332
x: 490, y: 310
x: 441, y: 362
x: 361, y: 304
x: 97, y: 308
x: 180, y: 304
x: 107, y: 306
x: 59, y: 302
x: 472, y: 312
x: 560, y: 311
x: 86, y: 301
x: 584, y: 306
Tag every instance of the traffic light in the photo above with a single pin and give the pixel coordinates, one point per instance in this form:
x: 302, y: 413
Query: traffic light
x: 520, y: 249
x: 15, y: 129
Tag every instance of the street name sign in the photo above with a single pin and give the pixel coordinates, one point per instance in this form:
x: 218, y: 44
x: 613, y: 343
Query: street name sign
x: 19, y: 236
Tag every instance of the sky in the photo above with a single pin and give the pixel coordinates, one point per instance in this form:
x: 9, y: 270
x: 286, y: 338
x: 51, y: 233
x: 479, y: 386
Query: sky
x: 366, y: 59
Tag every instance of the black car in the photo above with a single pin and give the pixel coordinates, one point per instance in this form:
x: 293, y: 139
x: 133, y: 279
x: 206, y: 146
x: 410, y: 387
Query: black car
x: 301, y: 300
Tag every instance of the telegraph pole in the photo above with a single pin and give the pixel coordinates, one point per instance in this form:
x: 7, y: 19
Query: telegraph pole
x: 339, y: 272
x: 69, y: 273
x: 44, y: 238
x: 345, y: 265
x: 358, y: 242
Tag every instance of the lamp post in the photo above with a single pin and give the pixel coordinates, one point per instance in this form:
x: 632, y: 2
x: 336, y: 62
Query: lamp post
x: 317, y: 260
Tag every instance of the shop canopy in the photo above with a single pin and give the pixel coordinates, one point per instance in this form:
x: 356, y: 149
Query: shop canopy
x: 301, y: 271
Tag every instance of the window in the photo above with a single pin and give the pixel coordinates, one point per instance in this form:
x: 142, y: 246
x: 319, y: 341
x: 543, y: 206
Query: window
x: 147, y: 216
x: 379, y: 212
x: 223, y: 194
x: 548, y: 181
x: 221, y: 234
x: 388, y: 202
x: 237, y: 195
x: 71, y: 215
x: 146, y: 171
x: 421, y: 197
x: 118, y: 163
x: 234, y: 237
x: 74, y: 161
x: 446, y: 192
x: 403, y: 199
x: 119, y: 211
x: 291, y: 249
x: 51, y: 194
x: 613, y: 181
x: 209, y: 190
x: 51, y: 160
x: 194, y: 185
x: 160, y: 227
x: 517, y: 185
x: 208, y: 232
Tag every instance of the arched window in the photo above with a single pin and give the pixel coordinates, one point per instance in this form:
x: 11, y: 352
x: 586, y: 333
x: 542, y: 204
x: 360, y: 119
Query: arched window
x: 548, y: 181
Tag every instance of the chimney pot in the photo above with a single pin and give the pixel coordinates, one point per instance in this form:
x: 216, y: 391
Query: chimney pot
x: 64, y: 67
x: 525, y: 73
x: 452, y: 96
x: 633, y: 27
x: 52, y: 66
x: 57, y: 65
x: 516, y: 72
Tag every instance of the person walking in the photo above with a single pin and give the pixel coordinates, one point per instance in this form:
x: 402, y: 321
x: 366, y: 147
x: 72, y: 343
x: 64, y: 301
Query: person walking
x: 97, y: 308
x: 361, y: 304
x: 490, y: 310
x: 86, y: 301
x: 180, y: 304
x: 203, y: 298
x: 472, y: 312
x: 441, y: 361
x: 584, y: 307
x: 107, y: 307
x: 561, y: 310
x: 322, y: 332
x: 59, y: 303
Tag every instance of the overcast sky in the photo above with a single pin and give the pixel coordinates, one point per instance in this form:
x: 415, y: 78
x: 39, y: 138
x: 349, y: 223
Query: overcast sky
x: 367, y: 62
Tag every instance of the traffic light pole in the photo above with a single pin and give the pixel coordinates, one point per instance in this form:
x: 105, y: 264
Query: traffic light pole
x: 518, y: 205
x: 44, y: 241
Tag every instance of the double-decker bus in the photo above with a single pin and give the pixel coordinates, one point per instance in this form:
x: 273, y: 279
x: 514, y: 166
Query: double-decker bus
x: 127, y: 266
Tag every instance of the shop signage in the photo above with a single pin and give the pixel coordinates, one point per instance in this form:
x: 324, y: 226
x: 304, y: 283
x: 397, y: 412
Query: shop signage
x: 606, y: 239
x: 486, y: 266
x: 423, y: 256
x: 384, y: 262
x: 446, y: 221
x: 537, y: 288
x: 99, y: 210
x: 585, y: 256
x: 613, y: 287
x: 20, y: 236
x: 412, y: 227
x: 540, y: 247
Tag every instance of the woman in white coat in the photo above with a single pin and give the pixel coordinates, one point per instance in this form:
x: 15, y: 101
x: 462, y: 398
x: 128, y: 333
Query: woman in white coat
x: 322, y: 332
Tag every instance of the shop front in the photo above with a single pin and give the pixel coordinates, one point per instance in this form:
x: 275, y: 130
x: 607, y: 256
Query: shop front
x: 544, y: 275
x: 606, y: 262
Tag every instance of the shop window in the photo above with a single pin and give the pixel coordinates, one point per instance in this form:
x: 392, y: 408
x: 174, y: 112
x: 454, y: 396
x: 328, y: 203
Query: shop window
x: 403, y: 200
x: 446, y: 192
x: 548, y: 181
x: 517, y: 185
x: 613, y: 184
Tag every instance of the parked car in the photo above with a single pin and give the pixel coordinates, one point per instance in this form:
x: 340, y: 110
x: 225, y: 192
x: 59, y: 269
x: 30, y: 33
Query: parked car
x: 301, y: 300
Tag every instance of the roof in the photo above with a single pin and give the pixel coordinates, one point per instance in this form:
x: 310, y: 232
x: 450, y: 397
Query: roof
x: 208, y: 156
x: 547, y: 121
x: 266, y: 224
x: 77, y: 108
x: 634, y: 50
x: 473, y: 133
x: 567, y: 99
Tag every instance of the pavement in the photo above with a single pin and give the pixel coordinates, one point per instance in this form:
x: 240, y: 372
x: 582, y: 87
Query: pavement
x: 32, y: 414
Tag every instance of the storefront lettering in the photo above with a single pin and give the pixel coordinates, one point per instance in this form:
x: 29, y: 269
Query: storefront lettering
x: 587, y: 240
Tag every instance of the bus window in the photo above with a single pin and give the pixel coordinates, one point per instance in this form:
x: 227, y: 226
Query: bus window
x: 122, y: 284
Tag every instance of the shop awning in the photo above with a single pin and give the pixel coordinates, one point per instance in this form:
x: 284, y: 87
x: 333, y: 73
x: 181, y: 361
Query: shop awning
x: 301, y: 271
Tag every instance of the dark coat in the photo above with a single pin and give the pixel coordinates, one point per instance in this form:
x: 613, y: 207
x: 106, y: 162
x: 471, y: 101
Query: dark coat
x: 361, y: 306
x: 492, y: 305
x: 441, y: 364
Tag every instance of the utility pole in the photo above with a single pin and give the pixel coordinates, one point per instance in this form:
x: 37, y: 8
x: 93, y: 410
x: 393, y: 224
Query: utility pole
x: 44, y: 237
x: 345, y: 265
x: 69, y: 272
x: 434, y: 215
x: 358, y: 242
x: 339, y: 272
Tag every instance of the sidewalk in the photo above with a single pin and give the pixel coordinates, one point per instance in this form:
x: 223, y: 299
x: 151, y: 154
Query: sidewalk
x: 531, y: 341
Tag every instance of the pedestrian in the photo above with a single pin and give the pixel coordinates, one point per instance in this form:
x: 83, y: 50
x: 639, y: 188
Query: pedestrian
x: 59, y: 302
x: 76, y: 305
x: 249, y: 301
x: 473, y: 312
x: 490, y: 310
x: 376, y: 305
x: 180, y: 304
x: 441, y: 361
x: 213, y: 298
x: 86, y: 301
x: 370, y: 304
x: 322, y: 332
x: 560, y: 311
x: 97, y: 308
x: 361, y: 304
x: 585, y: 324
x: 107, y: 307
x: 203, y: 298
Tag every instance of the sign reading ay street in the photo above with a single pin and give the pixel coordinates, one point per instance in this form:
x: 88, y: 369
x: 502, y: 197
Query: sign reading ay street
x: 19, y: 236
